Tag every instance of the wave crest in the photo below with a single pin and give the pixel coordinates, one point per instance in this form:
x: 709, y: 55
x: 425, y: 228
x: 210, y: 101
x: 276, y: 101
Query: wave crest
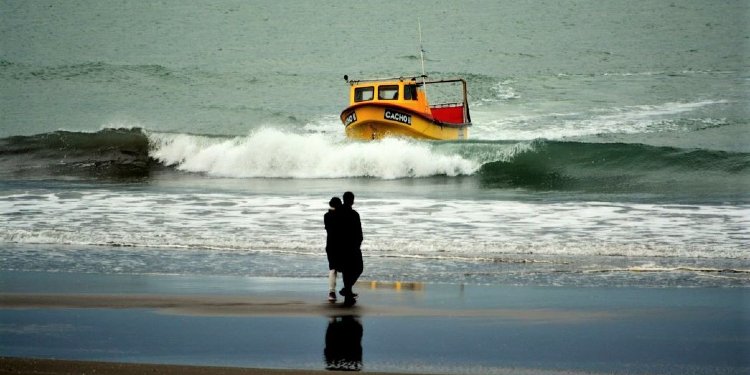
x: 276, y: 154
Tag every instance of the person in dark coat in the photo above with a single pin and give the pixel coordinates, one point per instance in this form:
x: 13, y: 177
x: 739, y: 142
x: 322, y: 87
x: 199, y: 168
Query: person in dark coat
x: 351, y: 253
x: 334, y: 248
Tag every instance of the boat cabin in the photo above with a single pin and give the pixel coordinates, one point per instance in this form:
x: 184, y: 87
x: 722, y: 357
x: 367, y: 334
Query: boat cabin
x: 410, y: 94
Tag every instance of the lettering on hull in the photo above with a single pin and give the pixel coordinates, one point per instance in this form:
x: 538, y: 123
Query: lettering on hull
x: 350, y: 118
x: 393, y: 115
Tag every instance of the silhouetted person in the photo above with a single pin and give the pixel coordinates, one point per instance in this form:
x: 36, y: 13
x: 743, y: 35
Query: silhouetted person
x: 351, y: 253
x: 334, y: 240
x: 343, y: 351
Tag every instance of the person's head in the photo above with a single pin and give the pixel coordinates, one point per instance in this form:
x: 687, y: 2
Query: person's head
x: 348, y: 198
x: 334, y: 203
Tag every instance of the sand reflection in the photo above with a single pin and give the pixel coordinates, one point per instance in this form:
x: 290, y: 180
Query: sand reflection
x: 343, y: 351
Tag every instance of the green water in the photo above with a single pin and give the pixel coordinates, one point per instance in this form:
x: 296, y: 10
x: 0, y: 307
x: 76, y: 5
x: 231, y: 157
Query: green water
x: 230, y: 67
x: 608, y: 138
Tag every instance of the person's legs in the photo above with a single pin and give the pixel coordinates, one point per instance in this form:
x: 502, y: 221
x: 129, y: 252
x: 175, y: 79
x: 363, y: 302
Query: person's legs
x: 350, y: 277
x: 347, y: 276
x: 332, y: 285
x: 332, y: 280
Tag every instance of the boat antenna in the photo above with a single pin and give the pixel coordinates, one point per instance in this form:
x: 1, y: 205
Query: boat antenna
x: 421, y: 48
x: 421, y: 56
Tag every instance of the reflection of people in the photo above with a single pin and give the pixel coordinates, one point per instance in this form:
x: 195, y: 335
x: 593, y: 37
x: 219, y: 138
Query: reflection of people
x: 333, y: 244
x: 351, y: 252
x: 343, y: 351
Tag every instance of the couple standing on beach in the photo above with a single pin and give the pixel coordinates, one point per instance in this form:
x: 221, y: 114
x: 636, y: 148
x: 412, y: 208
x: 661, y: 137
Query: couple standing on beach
x: 344, y: 237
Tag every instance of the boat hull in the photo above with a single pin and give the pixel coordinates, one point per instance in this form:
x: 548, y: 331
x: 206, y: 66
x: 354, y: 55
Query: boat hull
x: 371, y: 122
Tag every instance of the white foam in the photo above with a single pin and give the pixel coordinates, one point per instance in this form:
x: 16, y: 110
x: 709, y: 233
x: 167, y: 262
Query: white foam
x: 644, y: 113
x: 501, y: 92
x: 122, y: 123
x: 277, y: 154
x: 554, y: 126
x: 395, y: 227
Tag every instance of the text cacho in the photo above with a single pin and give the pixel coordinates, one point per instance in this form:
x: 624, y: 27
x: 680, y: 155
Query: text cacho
x: 397, y: 116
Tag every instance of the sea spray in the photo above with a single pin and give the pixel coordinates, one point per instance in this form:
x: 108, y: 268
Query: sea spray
x: 277, y: 154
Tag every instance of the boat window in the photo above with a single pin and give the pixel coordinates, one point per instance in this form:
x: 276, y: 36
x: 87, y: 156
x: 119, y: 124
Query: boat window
x: 389, y: 92
x: 362, y: 94
x: 410, y: 92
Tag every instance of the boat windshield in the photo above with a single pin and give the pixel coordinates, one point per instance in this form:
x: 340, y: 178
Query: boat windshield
x: 389, y: 92
x: 410, y: 92
x: 362, y: 94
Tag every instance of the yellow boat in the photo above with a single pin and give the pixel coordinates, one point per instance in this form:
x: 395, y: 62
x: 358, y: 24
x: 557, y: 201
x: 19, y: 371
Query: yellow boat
x: 398, y: 107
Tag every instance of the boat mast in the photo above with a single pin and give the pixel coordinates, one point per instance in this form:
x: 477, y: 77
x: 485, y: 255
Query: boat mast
x: 421, y: 58
x: 421, y: 48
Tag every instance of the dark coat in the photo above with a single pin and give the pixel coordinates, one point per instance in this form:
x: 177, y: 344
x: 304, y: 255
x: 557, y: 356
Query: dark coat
x: 334, y: 240
x: 351, y: 238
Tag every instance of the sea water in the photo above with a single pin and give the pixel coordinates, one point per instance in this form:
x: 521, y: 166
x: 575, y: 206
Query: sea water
x: 609, y: 146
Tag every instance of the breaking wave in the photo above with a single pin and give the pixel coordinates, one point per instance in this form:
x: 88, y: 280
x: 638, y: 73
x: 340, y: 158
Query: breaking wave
x: 271, y: 153
x: 275, y: 154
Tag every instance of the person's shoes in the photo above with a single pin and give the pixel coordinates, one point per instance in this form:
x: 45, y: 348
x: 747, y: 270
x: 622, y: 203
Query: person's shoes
x: 348, y: 293
x: 332, y: 297
x: 349, y: 301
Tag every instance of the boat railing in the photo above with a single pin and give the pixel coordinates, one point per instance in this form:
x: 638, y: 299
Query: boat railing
x: 444, y: 105
x: 401, y: 79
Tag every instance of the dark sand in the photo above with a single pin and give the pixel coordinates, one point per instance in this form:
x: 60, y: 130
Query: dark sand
x: 58, y: 367
x: 94, y: 324
x: 252, y: 306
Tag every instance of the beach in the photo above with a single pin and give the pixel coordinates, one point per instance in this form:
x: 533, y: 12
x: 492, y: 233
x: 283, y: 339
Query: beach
x: 165, y: 168
x: 404, y: 328
x: 59, y: 367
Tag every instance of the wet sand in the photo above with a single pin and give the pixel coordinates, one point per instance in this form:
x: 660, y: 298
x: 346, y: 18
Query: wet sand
x: 279, y: 307
x: 58, y: 367
x: 74, y: 324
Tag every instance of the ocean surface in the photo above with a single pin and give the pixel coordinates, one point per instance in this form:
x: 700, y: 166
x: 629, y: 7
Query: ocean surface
x: 610, y: 143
